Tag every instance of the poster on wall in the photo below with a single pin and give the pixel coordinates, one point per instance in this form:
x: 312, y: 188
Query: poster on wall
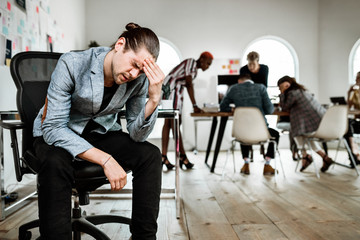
x: 8, y: 52
x: 2, y: 49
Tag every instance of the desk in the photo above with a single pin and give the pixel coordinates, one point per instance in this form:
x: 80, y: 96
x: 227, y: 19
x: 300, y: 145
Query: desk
x: 171, y: 114
x: 223, y: 120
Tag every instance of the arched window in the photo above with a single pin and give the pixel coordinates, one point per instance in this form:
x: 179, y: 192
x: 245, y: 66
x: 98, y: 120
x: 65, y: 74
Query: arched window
x: 279, y: 56
x: 354, y: 62
x: 169, y: 56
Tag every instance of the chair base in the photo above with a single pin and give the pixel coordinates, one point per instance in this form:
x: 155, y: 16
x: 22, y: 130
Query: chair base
x: 80, y: 224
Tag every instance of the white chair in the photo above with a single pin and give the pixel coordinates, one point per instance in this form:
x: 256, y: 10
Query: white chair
x: 333, y: 126
x: 249, y: 128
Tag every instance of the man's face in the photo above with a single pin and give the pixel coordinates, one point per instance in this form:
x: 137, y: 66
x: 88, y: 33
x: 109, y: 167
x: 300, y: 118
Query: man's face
x: 127, y: 65
x: 205, y: 63
x: 253, y: 66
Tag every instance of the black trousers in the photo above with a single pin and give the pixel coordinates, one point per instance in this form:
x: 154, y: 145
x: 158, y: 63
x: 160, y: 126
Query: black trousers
x: 245, y: 149
x: 56, y: 176
x: 353, y: 127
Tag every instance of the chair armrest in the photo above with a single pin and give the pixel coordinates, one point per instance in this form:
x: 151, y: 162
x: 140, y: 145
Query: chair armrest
x: 14, y: 125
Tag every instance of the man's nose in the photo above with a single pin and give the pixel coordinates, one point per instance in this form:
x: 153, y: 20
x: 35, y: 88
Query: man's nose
x: 134, y: 72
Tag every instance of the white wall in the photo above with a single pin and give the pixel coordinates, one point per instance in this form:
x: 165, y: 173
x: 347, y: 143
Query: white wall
x: 73, y: 26
x: 339, y: 29
x: 223, y: 27
x: 70, y: 17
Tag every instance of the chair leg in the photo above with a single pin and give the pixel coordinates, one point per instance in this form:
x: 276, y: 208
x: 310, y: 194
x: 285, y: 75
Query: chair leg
x: 233, y: 155
x: 336, y: 154
x: 282, y: 167
x: 297, y: 164
x: 223, y: 171
x: 24, y: 232
x: 312, y: 156
x: 350, y: 154
x: 227, y: 157
x: 251, y: 154
x: 82, y: 225
x: 100, y: 219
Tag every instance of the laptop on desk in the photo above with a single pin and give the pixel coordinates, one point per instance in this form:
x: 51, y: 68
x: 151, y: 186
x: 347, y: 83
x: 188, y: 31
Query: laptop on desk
x: 338, y: 100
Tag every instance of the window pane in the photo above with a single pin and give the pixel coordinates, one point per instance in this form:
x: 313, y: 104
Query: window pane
x: 168, y: 56
x: 356, y: 64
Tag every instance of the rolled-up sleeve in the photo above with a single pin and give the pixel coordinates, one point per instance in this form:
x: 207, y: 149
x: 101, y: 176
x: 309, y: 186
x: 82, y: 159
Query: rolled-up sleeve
x: 55, y: 125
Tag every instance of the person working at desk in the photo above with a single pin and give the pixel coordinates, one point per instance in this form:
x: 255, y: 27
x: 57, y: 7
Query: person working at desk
x: 354, y: 124
x: 305, y: 116
x: 79, y: 119
x: 249, y: 94
x: 178, y: 78
x: 258, y: 72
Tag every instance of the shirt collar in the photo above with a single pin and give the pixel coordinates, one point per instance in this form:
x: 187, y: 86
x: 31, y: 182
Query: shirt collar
x: 249, y: 81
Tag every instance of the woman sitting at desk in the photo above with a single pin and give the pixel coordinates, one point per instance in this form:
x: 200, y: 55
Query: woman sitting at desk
x: 354, y: 124
x: 305, y: 116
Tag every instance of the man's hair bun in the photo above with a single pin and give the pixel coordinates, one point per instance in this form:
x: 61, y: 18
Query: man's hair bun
x: 131, y: 26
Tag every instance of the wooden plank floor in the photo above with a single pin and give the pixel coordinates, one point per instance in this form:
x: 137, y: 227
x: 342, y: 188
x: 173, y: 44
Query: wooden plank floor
x: 299, y: 206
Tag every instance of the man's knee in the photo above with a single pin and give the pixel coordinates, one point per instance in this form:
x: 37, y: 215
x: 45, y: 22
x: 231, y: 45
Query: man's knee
x: 151, y: 155
x: 56, y: 164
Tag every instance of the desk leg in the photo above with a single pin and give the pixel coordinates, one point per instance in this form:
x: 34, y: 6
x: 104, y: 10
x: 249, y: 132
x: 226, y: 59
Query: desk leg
x: 218, y: 141
x: 2, y: 199
x: 211, y: 138
x: 177, y: 163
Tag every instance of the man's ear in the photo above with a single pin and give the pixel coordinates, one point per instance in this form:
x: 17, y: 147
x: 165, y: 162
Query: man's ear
x: 120, y: 44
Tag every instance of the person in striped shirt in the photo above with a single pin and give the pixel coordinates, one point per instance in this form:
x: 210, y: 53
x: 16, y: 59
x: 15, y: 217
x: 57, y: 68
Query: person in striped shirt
x: 179, y: 78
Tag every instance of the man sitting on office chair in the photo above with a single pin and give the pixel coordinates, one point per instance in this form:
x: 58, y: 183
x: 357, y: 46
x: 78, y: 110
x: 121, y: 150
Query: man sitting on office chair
x: 249, y: 94
x: 79, y: 119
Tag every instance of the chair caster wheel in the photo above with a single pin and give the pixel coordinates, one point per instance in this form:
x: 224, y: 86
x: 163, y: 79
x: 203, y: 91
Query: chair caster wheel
x: 25, y: 235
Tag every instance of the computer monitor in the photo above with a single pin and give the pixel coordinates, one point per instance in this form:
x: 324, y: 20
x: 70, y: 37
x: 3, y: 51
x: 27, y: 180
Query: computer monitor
x: 224, y: 82
x: 338, y: 100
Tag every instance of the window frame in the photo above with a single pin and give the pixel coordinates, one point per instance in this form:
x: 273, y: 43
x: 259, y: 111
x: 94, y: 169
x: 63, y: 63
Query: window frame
x: 280, y: 40
x: 351, y: 67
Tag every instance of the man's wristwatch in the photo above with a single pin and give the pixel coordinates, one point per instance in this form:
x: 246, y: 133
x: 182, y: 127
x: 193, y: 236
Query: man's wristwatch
x: 195, y: 105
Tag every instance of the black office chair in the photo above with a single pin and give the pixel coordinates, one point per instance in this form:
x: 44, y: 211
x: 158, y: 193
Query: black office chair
x: 31, y: 72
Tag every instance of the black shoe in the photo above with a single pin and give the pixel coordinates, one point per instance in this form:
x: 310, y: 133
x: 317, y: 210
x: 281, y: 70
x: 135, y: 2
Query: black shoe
x: 306, y: 161
x: 185, y: 161
x: 357, y: 162
x: 167, y: 163
x: 326, y: 163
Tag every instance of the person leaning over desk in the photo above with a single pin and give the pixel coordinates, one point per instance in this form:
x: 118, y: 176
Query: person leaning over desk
x: 181, y: 77
x: 305, y: 116
x: 249, y: 94
x: 79, y: 119
x: 258, y: 72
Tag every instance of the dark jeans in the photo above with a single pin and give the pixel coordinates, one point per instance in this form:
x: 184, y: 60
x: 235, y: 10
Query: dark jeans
x: 56, y: 176
x: 245, y: 149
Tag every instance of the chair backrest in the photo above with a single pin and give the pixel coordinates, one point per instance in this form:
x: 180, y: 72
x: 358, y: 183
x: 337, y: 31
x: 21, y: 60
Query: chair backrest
x: 249, y: 126
x: 31, y: 73
x: 334, y: 123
